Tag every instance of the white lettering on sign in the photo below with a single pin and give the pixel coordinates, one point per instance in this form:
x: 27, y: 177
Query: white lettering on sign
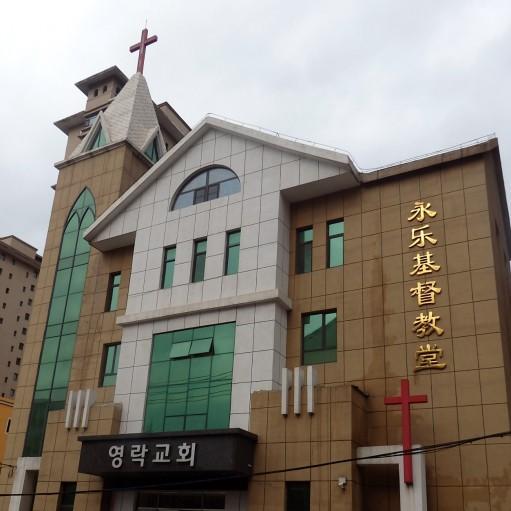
x: 162, y: 453
x: 186, y: 453
x: 116, y: 452
x: 158, y: 453
x: 138, y: 453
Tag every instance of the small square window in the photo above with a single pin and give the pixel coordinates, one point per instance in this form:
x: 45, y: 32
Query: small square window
x: 112, y: 299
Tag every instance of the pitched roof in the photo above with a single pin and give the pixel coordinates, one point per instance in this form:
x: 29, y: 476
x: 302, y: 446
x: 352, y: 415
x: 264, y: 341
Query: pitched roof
x: 131, y: 116
x: 352, y: 175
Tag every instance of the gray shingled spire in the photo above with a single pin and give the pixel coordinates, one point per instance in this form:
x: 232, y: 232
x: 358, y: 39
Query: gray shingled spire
x: 130, y: 116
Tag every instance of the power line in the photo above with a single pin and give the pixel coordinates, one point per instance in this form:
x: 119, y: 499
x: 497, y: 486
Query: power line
x: 168, y: 485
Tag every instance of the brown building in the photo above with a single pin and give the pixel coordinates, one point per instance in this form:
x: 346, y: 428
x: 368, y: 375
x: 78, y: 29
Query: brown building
x: 230, y: 319
x: 19, y: 269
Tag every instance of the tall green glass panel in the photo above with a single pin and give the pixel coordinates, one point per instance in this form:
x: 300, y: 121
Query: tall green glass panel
x: 62, y: 324
x: 190, y: 379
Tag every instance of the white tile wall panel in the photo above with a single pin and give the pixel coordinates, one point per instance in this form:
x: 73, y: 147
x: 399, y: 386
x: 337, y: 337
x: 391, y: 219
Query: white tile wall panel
x: 214, y: 267
x: 270, y: 180
x: 148, y: 301
x: 160, y: 211
x: 263, y: 214
x: 145, y: 216
x: 249, y: 236
x: 127, y: 355
x: 212, y: 289
x: 271, y: 157
x: 157, y: 236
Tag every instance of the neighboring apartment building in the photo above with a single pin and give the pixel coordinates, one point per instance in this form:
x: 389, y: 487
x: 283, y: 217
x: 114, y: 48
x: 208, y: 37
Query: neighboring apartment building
x: 251, y: 305
x: 19, y: 269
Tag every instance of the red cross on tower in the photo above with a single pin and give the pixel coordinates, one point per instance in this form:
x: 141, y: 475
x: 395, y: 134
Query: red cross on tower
x: 405, y: 400
x: 141, y: 46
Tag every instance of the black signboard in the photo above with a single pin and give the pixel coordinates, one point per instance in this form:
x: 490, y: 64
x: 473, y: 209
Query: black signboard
x: 185, y: 455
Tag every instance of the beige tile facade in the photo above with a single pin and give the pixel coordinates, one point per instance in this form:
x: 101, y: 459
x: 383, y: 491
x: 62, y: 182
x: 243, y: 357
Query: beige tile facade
x: 107, y: 173
x: 376, y: 344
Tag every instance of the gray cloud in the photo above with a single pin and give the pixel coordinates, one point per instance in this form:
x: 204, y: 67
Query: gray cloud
x: 384, y: 80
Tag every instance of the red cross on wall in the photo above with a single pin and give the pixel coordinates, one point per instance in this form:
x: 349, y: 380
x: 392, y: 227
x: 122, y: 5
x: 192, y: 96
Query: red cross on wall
x: 141, y: 46
x: 405, y: 400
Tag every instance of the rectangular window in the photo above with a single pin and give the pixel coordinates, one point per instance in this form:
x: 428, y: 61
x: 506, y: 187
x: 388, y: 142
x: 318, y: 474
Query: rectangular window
x: 199, y: 260
x: 110, y: 364
x: 112, y: 298
x: 304, y: 250
x: 319, y: 337
x: 298, y: 495
x: 67, y: 496
x: 169, y: 259
x: 190, y: 379
x: 335, y: 245
x: 232, y: 252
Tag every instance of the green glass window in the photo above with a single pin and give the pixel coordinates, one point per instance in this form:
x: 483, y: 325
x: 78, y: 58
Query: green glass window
x: 169, y: 260
x: 304, y: 250
x: 62, y: 323
x: 112, y: 296
x: 67, y: 496
x: 335, y: 244
x: 206, y: 185
x: 190, y: 379
x: 110, y: 364
x: 298, y: 495
x: 232, y: 252
x: 319, y: 337
x: 152, y: 151
x: 199, y: 260
x: 99, y: 139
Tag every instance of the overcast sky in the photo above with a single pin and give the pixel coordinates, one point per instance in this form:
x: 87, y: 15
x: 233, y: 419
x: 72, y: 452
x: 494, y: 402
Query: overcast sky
x: 385, y: 80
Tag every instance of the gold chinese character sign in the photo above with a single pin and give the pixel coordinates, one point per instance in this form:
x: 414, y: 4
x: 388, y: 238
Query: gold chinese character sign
x: 420, y: 210
x: 424, y: 264
x: 425, y: 292
x: 427, y: 357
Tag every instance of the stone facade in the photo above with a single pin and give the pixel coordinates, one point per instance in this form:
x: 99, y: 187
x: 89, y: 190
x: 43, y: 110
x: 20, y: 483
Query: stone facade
x: 285, y: 186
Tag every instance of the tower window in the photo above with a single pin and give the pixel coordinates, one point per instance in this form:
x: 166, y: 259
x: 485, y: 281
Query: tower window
x: 112, y: 300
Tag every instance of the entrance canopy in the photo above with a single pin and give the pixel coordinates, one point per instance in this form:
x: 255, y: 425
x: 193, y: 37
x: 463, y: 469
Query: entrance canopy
x: 223, y: 457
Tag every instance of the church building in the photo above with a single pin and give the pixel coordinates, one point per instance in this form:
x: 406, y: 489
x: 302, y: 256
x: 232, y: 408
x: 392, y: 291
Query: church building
x: 229, y: 319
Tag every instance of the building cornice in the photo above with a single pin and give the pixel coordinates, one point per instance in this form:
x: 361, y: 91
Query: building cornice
x: 270, y: 296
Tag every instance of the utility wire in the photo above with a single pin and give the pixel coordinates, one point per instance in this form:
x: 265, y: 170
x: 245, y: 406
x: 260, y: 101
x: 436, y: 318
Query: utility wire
x: 168, y: 485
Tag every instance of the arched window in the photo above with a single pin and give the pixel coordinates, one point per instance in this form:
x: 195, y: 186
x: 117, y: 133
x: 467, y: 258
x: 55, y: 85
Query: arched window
x: 207, y: 185
x: 62, y: 323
